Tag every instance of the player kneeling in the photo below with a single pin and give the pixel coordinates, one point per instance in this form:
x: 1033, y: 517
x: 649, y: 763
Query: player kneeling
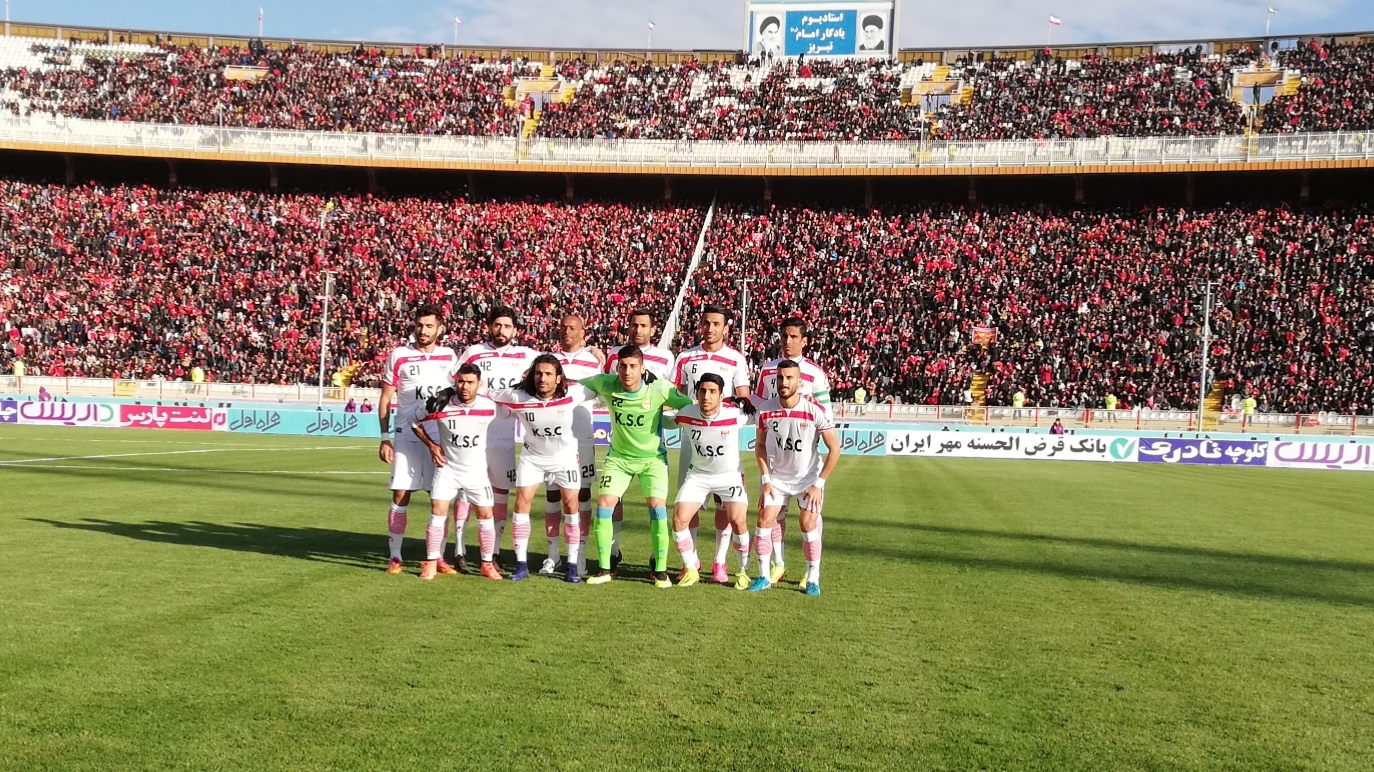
x: 460, y: 462
x: 712, y: 428
x: 791, y: 427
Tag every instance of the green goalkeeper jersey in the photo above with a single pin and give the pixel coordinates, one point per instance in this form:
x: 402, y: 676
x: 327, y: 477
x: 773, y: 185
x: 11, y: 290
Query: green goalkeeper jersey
x: 636, y: 416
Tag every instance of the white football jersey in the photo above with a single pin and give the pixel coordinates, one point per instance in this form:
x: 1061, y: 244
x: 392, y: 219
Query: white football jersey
x: 463, y: 434
x: 726, y: 362
x: 714, y: 440
x: 548, y: 424
x: 658, y: 361
x: 502, y: 369
x: 576, y: 366
x: 794, y: 434
x: 417, y: 376
x: 813, y: 381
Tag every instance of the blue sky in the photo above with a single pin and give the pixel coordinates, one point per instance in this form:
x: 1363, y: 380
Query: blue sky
x: 699, y: 23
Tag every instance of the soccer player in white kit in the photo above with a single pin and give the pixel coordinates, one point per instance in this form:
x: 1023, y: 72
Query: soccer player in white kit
x: 641, y: 330
x: 414, y: 373
x: 503, y: 366
x: 814, y: 383
x: 579, y: 361
x: 546, y: 406
x: 713, y: 429
x: 791, y: 427
x: 460, y: 463
x: 712, y: 355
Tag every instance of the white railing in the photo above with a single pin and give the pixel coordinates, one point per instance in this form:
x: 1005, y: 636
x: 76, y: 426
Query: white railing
x: 233, y: 143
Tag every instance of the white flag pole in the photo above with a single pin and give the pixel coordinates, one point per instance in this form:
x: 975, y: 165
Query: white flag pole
x: 456, y: 23
x: 1267, y: 18
x: 259, y: 22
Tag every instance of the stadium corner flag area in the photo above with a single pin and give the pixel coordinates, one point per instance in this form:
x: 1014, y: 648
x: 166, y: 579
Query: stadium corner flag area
x: 811, y: 404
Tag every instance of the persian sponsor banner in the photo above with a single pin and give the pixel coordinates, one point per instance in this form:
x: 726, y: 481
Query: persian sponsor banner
x: 202, y: 419
x: 331, y: 422
x: 1114, y: 448
x: 1355, y: 454
x: 83, y: 414
x: 9, y: 412
x: 1163, y: 450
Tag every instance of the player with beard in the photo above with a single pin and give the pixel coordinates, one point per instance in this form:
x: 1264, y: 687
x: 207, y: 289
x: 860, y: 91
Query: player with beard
x: 503, y: 365
x: 578, y: 361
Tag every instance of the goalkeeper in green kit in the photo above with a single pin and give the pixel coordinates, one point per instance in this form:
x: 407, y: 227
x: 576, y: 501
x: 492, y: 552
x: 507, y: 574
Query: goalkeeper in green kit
x: 636, y: 401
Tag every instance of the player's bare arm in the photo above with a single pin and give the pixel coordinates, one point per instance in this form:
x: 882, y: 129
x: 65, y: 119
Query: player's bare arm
x: 816, y: 493
x: 387, y: 451
x: 436, y: 451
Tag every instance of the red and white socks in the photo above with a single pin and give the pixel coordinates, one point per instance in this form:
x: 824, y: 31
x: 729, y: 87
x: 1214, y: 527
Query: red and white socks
x: 396, y: 529
x: 572, y: 534
x: 434, y: 537
x: 687, y: 547
x: 486, y: 539
x: 764, y: 547
x: 553, y: 522
x: 520, y: 535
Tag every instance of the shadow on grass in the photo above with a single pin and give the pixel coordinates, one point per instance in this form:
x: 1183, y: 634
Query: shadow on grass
x: 344, y: 487
x: 346, y: 548
x: 1188, y: 568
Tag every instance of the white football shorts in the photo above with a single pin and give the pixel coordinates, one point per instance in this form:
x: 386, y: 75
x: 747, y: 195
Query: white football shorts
x: 561, y: 472
x: 412, y: 469
x: 453, y: 484
x: 698, y: 486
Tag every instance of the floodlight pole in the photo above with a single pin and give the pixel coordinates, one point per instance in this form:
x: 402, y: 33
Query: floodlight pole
x: 744, y: 315
x: 324, y: 331
x: 1206, y: 343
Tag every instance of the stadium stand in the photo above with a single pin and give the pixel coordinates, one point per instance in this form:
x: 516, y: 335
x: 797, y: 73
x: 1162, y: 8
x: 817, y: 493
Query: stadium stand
x: 1085, y: 301
x: 137, y: 282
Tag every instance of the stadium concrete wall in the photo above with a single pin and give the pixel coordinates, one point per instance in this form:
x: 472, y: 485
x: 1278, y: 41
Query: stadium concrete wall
x: 1125, y: 446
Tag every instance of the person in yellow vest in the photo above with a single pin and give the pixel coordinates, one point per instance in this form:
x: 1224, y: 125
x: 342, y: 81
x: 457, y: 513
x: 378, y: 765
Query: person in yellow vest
x: 1247, y: 407
x: 1111, y: 407
x: 1018, y: 401
x: 860, y: 397
x: 197, y: 374
x: 336, y: 380
x: 19, y: 368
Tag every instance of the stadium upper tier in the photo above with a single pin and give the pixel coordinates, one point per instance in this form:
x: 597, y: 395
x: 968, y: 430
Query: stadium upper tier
x: 1319, y: 86
x: 138, y: 282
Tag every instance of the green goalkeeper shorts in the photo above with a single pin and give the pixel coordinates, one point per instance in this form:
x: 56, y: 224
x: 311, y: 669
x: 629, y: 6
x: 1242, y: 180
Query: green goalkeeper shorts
x: 614, y: 477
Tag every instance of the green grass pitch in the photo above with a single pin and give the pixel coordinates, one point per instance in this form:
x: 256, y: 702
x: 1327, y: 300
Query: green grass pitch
x: 188, y: 601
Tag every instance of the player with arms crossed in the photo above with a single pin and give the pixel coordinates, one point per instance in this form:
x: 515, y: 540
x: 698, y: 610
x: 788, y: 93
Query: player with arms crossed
x: 547, y: 409
x: 711, y: 355
x: 460, y: 461
x: 414, y: 373
x: 636, y: 403
x: 503, y: 366
x: 579, y: 361
x: 791, y: 428
x: 712, y: 428
x: 640, y: 330
x: 814, y: 383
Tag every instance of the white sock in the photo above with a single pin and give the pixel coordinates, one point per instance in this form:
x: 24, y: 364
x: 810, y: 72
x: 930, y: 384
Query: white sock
x: 615, y: 536
x: 764, y: 536
x: 777, y: 545
x: 487, y: 539
x: 520, y: 535
x: 742, y: 549
x: 722, y: 545
x: 694, y: 530
x: 553, y: 508
x: 687, y: 548
x: 396, y: 518
x: 574, y: 550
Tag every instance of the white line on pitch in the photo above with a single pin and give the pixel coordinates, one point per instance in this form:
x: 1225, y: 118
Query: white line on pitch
x: 179, y: 469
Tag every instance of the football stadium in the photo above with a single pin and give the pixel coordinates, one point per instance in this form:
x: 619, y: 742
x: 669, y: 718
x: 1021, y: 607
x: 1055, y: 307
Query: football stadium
x: 785, y: 345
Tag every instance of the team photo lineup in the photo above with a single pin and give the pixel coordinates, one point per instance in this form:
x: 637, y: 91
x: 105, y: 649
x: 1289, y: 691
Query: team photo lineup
x: 450, y: 425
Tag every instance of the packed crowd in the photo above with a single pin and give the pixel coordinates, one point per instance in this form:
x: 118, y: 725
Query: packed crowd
x: 1337, y: 91
x: 137, y: 282
x: 1160, y: 94
x: 1084, y: 302
x: 779, y: 102
x: 299, y: 89
x: 1157, y: 95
